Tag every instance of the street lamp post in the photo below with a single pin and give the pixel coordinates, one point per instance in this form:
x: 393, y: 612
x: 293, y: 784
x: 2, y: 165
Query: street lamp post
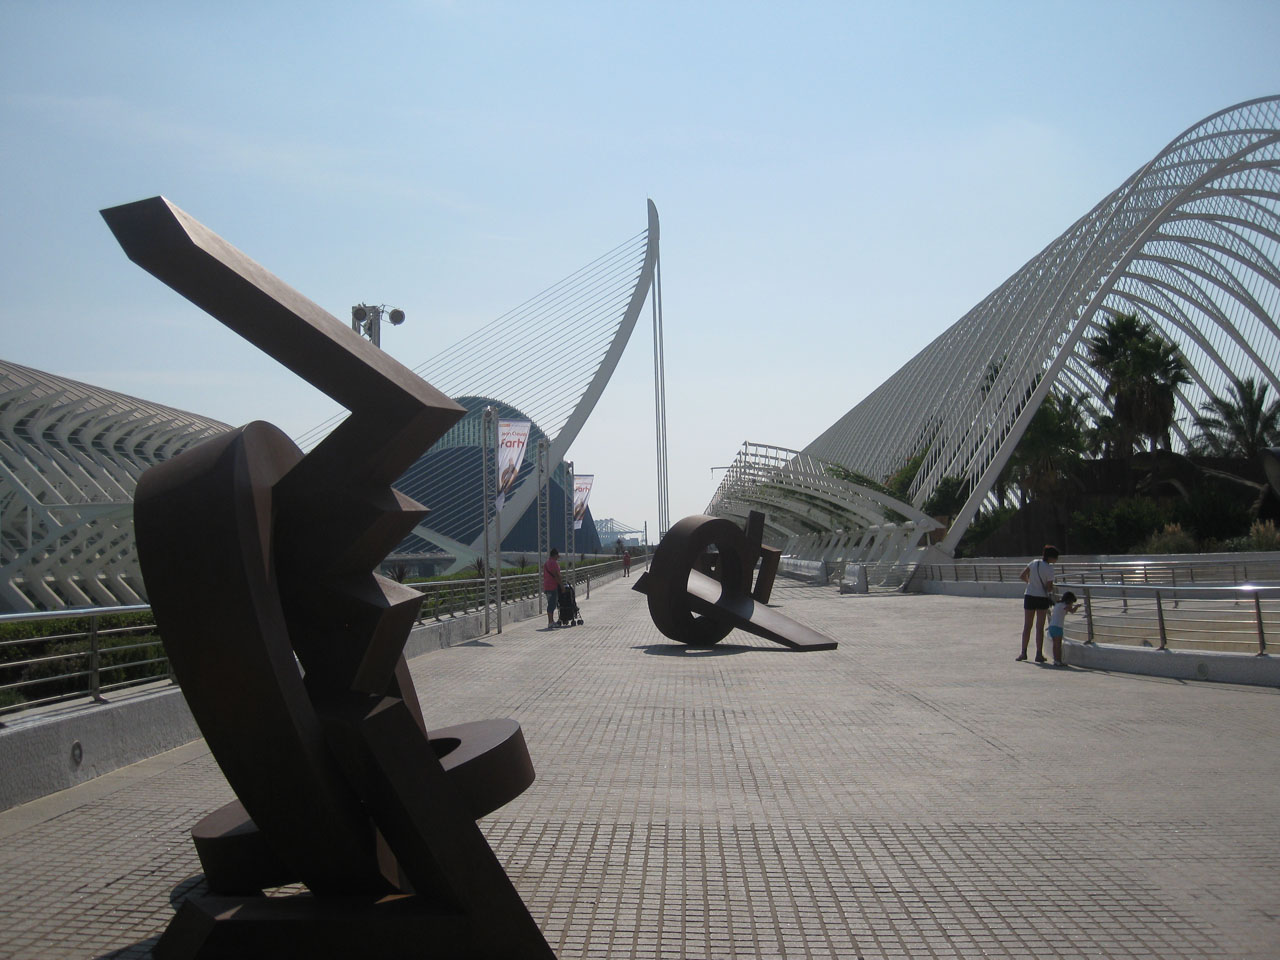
x: 366, y: 320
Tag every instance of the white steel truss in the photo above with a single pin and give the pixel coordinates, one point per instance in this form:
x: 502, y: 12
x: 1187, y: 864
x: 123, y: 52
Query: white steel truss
x: 816, y: 510
x: 70, y: 458
x: 1188, y: 242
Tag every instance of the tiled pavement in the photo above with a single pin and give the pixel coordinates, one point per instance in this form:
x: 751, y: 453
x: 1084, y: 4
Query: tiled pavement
x: 915, y: 793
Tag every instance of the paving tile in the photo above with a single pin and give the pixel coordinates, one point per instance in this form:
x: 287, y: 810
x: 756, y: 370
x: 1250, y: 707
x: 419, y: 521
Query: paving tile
x: 915, y: 793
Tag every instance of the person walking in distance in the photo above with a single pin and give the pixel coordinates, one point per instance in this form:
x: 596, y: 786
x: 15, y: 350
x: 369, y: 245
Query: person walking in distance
x: 626, y: 563
x: 1037, y: 599
x: 551, y: 582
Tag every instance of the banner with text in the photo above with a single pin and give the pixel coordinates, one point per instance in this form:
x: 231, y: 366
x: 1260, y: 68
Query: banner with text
x: 581, y: 493
x: 513, y: 437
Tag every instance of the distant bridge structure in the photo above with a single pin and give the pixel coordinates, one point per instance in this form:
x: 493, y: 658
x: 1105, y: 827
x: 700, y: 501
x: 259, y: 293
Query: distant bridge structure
x: 547, y: 360
x: 612, y: 530
x: 1188, y: 242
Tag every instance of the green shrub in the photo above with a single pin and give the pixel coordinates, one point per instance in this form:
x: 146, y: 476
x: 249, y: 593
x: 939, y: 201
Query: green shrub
x: 115, y: 664
x: 1213, y: 511
x: 1263, y: 536
x: 947, y: 497
x: 984, y: 525
x: 1121, y: 528
x: 1172, y: 539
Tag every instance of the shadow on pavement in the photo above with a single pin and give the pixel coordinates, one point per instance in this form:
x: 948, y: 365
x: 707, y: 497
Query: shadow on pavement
x: 719, y: 650
x: 135, y: 951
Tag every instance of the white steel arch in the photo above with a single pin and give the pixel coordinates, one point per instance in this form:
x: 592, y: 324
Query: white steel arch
x: 816, y: 510
x: 70, y: 458
x: 551, y: 358
x: 1189, y: 242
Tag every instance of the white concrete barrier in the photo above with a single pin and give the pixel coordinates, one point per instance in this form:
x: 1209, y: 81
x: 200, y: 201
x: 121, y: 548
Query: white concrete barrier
x: 1175, y: 664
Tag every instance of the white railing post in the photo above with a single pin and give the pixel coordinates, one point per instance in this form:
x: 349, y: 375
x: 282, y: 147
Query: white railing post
x: 1088, y: 612
x: 1164, y: 640
x: 1262, y: 639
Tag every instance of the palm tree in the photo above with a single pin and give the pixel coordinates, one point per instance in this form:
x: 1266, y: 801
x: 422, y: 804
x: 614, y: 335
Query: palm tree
x: 1143, y: 371
x: 1050, y: 447
x: 1101, y: 435
x: 1240, y: 425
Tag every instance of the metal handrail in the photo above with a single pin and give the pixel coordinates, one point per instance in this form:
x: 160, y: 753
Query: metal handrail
x: 441, y: 600
x: 1188, y: 616
x: 1248, y: 568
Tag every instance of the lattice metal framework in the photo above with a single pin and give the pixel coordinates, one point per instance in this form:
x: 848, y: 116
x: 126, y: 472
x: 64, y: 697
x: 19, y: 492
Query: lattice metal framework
x: 1189, y: 243
x: 70, y: 458
x: 816, y: 511
x: 611, y: 530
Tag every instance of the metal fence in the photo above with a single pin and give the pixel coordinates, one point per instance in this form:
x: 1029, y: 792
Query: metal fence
x: 1235, y: 619
x: 54, y: 656
x: 445, y: 599
x: 59, y: 655
x: 1173, y: 573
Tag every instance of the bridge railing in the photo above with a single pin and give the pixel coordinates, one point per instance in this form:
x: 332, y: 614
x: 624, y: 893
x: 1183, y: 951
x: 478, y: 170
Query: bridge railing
x: 1228, y: 619
x: 1174, y: 573
x: 59, y: 655
x: 54, y: 656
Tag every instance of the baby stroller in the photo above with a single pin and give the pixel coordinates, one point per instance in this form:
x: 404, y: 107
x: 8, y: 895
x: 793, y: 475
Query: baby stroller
x: 569, y: 613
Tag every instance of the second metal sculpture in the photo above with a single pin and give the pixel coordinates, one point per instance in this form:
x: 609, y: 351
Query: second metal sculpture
x: 697, y: 597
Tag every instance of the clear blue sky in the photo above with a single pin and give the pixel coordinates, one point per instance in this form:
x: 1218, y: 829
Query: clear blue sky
x: 837, y: 182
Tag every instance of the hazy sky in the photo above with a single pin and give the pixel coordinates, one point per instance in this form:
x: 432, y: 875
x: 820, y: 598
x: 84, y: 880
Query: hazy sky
x: 837, y: 182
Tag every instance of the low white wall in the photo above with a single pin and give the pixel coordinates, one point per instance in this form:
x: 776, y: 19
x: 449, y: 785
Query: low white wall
x: 1175, y: 664
x: 39, y: 753
x: 38, y: 750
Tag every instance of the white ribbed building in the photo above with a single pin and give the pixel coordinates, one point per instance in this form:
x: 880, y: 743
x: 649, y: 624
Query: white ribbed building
x: 1188, y: 243
x: 70, y: 458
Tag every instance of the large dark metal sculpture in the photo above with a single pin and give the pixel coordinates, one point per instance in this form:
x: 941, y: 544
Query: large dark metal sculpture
x: 259, y: 565
x: 697, y: 597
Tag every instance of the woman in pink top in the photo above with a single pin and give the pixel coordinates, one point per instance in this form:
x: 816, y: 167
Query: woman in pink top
x: 551, y: 585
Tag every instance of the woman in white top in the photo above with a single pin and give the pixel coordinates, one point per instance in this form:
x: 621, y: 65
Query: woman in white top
x: 1036, y: 601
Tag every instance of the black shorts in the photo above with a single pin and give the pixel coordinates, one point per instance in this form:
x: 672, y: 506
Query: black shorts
x: 1030, y: 602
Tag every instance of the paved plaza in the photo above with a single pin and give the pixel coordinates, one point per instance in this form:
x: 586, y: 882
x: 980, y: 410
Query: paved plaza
x: 915, y: 793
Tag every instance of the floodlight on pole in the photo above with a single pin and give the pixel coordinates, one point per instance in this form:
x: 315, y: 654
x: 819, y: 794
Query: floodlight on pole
x: 366, y: 320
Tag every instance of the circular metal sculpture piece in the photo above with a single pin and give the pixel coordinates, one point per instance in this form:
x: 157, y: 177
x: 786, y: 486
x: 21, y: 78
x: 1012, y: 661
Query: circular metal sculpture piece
x: 697, y: 597
x: 681, y: 551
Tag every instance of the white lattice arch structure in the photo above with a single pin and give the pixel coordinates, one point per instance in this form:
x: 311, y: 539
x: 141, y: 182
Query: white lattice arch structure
x: 70, y: 458
x: 1189, y: 242
x: 813, y: 513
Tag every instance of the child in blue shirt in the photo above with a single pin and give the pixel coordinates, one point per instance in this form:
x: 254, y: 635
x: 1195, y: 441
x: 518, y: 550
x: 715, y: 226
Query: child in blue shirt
x: 1067, y: 604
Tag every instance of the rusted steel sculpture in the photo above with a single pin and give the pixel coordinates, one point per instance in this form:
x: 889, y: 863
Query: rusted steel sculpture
x: 259, y: 559
x: 697, y: 597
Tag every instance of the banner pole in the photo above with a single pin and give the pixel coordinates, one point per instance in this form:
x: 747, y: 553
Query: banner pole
x: 568, y: 526
x: 544, y: 521
x: 497, y: 533
x: 486, y: 424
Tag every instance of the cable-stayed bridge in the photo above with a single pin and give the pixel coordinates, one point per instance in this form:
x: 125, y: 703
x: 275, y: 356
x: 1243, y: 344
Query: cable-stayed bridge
x: 548, y: 361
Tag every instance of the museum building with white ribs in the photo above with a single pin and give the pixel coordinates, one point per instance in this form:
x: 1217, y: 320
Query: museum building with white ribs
x: 70, y: 457
x: 1188, y: 243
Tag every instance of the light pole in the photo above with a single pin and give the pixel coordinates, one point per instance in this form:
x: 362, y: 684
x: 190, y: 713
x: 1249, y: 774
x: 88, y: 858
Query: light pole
x: 366, y: 320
